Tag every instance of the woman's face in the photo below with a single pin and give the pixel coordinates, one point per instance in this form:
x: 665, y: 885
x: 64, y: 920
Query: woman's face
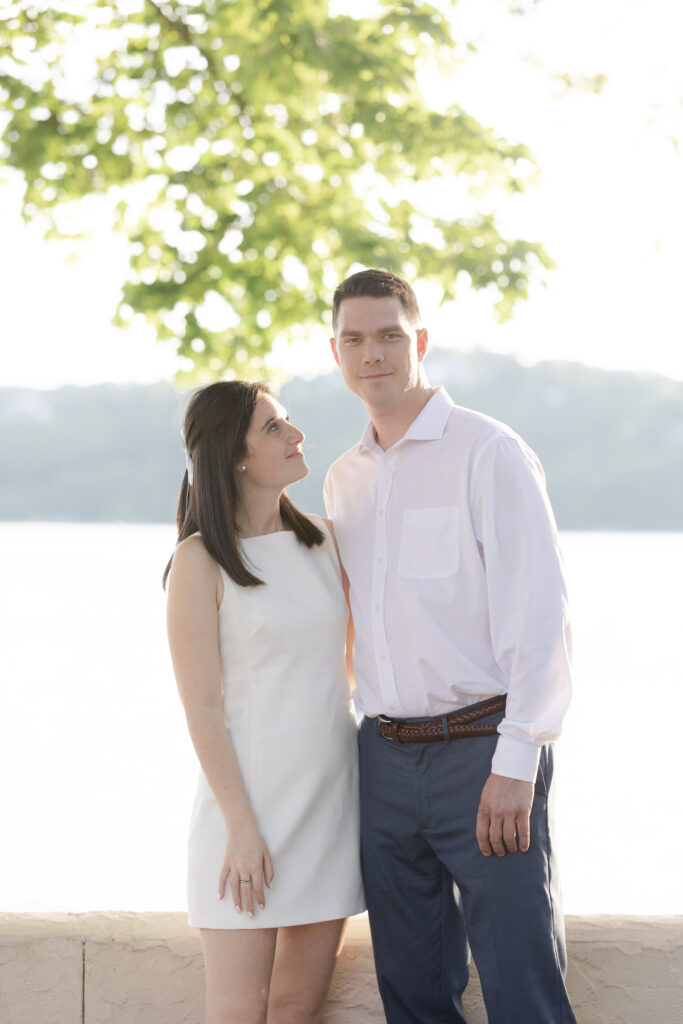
x: 274, y: 458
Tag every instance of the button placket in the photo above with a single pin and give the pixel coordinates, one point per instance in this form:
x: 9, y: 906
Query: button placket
x: 384, y: 668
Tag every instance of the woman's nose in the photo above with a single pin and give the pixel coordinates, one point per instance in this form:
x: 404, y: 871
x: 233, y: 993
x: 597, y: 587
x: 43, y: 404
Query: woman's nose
x: 298, y: 435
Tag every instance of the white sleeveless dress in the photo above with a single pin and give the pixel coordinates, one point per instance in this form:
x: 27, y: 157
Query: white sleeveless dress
x: 290, y: 719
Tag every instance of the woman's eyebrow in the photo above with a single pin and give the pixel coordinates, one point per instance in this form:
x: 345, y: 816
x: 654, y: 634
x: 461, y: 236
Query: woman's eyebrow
x: 272, y: 419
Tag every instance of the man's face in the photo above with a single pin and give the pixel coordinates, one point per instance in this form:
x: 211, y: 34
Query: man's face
x: 379, y: 350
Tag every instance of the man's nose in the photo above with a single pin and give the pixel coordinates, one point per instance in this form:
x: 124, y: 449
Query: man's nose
x: 372, y: 351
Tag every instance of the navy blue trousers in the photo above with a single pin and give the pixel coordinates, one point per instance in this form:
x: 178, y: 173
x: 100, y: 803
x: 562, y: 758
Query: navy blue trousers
x: 432, y: 895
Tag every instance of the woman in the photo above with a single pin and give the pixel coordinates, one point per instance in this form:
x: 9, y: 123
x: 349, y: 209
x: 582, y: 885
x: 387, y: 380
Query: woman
x: 256, y: 623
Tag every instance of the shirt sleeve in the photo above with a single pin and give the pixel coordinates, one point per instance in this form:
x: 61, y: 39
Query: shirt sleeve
x: 327, y: 496
x: 528, y: 609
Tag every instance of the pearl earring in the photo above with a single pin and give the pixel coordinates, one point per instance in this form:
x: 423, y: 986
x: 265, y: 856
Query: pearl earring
x: 242, y: 469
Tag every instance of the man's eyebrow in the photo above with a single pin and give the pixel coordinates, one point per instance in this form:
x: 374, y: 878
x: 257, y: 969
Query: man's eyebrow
x: 383, y: 330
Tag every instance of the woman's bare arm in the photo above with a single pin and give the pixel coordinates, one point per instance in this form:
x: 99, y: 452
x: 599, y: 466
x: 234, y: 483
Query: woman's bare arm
x: 195, y: 590
x: 350, y: 634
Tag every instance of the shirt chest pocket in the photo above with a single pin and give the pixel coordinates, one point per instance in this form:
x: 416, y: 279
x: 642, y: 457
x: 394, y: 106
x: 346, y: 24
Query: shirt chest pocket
x: 429, y: 543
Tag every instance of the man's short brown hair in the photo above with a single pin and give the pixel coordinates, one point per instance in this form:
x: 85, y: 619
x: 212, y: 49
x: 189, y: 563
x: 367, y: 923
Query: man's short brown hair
x: 376, y: 284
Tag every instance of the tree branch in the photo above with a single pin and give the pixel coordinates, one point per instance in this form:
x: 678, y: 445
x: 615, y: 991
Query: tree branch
x: 184, y: 32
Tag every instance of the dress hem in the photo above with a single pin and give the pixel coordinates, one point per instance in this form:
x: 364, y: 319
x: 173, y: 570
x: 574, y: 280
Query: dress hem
x: 254, y: 923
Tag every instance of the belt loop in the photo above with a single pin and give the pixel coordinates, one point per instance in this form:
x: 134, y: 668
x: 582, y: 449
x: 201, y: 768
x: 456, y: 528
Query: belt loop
x: 444, y: 726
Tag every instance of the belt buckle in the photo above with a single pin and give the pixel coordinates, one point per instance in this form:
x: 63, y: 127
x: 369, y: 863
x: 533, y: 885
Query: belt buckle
x: 392, y: 723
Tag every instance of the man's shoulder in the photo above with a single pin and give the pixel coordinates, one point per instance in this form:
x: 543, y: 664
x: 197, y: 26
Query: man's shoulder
x: 477, y: 428
x: 477, y: 441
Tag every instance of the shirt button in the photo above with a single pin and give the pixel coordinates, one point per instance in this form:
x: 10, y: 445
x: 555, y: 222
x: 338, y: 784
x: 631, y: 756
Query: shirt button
x: 382, y: 657
x: 391, y: 707
x: 379, y: 561
x: 381, y: 512
x: 376, y: 607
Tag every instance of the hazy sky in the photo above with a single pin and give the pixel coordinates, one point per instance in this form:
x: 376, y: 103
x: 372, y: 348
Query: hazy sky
x: 608, y: 210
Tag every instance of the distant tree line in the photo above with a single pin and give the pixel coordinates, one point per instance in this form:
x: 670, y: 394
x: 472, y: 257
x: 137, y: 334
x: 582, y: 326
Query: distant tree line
x: 611, y: 443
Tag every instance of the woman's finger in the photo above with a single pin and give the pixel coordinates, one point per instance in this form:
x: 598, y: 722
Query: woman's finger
x: 247, y: 890
x: 223, y: 879
x: 236, y: 890
x: 268, y: 872
x: 257, y: 888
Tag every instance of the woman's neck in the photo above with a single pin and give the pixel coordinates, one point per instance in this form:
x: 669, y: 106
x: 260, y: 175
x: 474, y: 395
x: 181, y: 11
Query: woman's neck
x: 259, y: 515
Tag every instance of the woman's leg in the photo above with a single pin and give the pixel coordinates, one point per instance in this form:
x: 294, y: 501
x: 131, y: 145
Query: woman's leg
x: 305, y: 956
x: 238, y: 966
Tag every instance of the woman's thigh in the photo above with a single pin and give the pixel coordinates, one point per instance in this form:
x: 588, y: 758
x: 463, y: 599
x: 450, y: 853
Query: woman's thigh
x: 238, y: 966
x: 305, y: 957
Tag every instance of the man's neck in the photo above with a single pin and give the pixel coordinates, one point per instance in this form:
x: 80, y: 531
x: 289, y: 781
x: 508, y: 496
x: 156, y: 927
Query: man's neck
x: 391, y: 424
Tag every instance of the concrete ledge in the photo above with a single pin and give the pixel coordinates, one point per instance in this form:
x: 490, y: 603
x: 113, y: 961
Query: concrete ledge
x: 118, y: 968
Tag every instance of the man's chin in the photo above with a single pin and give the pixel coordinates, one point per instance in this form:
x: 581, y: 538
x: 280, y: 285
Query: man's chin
x: 380, y: 395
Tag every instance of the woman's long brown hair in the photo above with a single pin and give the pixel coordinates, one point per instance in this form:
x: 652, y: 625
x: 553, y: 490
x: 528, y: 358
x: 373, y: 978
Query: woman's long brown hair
x: 216, y: 424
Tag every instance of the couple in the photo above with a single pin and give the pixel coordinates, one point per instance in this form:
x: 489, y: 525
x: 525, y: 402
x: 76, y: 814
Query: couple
x: 442, y: 542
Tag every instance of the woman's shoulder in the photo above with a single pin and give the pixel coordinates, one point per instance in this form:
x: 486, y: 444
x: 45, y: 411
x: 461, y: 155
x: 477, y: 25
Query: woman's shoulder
x: 193, y: 543
x: 321, y: 522
x: 326, y: 526
x: 191, y: 555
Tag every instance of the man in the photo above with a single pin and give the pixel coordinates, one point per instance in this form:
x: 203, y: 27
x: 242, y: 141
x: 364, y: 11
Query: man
x: 458, y: 602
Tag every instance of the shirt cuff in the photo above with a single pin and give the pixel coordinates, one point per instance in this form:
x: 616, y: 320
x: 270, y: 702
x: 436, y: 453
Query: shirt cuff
x: 515, y: 759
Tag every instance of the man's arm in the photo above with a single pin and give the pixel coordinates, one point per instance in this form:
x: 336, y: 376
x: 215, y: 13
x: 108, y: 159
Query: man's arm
x: 529, y: 631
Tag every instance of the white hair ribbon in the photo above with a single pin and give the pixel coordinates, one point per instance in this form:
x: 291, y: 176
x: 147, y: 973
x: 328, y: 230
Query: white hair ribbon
x: 190, y: 468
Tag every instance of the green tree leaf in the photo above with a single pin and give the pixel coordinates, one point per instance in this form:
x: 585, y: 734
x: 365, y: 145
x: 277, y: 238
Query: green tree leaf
x: 255, y: 152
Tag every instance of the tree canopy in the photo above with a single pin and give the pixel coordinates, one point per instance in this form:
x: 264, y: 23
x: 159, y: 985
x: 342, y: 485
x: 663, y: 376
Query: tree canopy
x: 255, y: 152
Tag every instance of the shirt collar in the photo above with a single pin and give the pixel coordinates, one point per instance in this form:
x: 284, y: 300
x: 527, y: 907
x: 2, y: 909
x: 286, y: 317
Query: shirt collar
x: 429, y: 425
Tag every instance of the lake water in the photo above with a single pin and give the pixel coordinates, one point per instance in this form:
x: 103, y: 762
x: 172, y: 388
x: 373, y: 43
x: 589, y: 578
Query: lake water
x: 97, y: 772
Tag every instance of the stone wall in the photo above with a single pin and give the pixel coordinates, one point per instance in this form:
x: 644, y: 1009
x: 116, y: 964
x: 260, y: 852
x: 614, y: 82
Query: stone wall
x: 119, y: 968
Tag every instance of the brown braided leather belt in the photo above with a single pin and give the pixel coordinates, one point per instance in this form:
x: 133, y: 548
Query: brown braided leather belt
x: 460, y: 724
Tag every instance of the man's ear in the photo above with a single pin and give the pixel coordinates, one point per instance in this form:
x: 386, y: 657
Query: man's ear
x: 422, y: 344
x: 333, y: 346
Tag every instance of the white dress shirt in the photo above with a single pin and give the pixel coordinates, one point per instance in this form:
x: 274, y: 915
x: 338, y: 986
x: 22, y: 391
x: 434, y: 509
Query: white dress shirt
x: 456, y: 584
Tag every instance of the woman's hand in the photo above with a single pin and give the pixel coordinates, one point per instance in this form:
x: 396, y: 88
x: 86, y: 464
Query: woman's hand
x: 246, y: 858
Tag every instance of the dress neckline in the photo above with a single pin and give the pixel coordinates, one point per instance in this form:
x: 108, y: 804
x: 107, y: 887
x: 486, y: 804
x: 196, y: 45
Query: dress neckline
x: 275, y: 533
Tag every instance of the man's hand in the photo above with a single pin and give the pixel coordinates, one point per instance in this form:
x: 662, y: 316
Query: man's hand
x: 503, y: 815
